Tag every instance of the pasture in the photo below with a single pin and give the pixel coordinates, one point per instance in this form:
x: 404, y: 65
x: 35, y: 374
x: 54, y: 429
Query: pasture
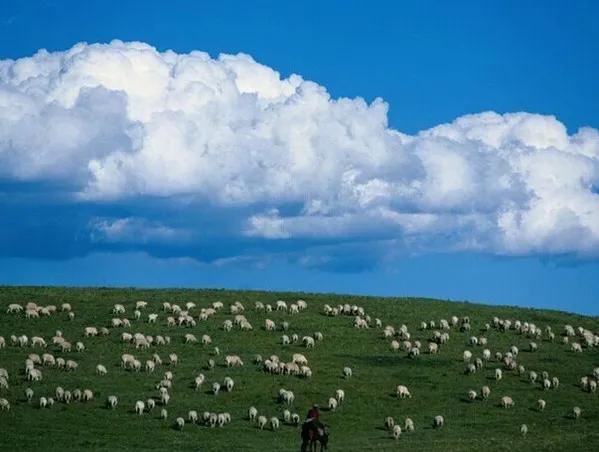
x: 437, y: 382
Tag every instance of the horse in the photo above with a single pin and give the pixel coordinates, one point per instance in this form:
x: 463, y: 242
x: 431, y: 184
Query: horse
x: 313, y: 433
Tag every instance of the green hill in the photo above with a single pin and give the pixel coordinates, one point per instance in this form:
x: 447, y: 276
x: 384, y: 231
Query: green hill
x: 437, y: 382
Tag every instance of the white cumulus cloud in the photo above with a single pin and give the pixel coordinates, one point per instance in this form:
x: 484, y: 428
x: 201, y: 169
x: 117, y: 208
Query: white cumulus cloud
x: 122, y: 120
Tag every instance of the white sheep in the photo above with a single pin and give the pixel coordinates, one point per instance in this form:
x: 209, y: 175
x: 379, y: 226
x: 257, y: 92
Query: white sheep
x: 29, y: 394
x: 471, y: 395
x: 274, y: 423
x: 507, y: 402
x: 173, y: 359
x: 308, y: 341
x: 190, y: 339
x: 4, y: 405
x: 438, y: 421
x: 389, y: 422
x: 541, y: 404
x: 340, y: 395
x: 498, y: 374
x: 576, y: 412
x: 229, y: 384
x: 262, y: 421
x: 192, y: 416
x: 140, y: 407
x: 252, y: 413
x: 43, y: 402
x: 396, y: 431
x: 523, y: 429
x: 485, y: 392
x: 199, y: 380
x: 180, y: 423
x: 347, y: 372
x: 403, y: 392
x: 112, y: 401
x: 332, y: 404
x: 215, y: 388
x: 408, y: 425
x: 87, y: 395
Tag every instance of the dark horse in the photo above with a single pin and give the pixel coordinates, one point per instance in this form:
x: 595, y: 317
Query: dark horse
x: 313, y: 433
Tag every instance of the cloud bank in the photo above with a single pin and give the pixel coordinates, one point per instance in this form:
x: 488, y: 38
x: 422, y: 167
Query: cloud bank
x: 121, y: 123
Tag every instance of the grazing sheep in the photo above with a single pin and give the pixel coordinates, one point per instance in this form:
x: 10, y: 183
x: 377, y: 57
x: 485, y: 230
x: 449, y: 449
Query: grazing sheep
x: 29, y: 394
x: 403, y: 392
x: 523, y: 429
x: 274, y: 423
x: 140, y: 407
x: 332, y: 403
x: 87, y: 395
x: 470, y: 369
x: 190, y: 339
x: 555, y: 382
x: 101, y: 370
x: 229, y: 384
x: 163, y: 414
x: 112, y: 401
x: 286, y: 396
x: 576, y: 412
x: 215, y: 388
x: 408, y: 425
x: 150, y: 403
x: 485, y: 392
x: 438, y: 421
x: 347, y: 372
x: 192, y: 416
x: 286, y: 416
x: 308, y: 341
x: 4, y: 405
x: 396, y: 431
x: 498, y: 374
x: 467, y: 355
x: 541, y: 404
x: 180, y: 423
x: 233, y: 361
x: 471, y: 395
x: 199, y: 380
x: 507, y: 402
x: 295, y: 419
x: 389, y: 422
x: 546, y: 384
x: 269, y: 325
x: 340, y: 395
x: 173, y: 359
x: 262, y: 421
x: 165, y: 398
x: 533, y: 346
x: 43, y: 402
x: 252, y: 413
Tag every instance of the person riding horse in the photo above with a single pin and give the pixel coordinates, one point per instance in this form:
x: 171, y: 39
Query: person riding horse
x: 314, y: 431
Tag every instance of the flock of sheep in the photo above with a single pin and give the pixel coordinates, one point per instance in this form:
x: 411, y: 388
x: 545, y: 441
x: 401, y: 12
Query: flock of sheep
x: 125, y: 320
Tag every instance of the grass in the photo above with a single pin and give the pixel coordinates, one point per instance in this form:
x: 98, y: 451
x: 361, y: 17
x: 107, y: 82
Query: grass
x: 437, y: 382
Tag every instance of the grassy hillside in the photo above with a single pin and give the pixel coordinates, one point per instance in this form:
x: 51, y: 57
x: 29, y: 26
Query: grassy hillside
x: 437, y: 382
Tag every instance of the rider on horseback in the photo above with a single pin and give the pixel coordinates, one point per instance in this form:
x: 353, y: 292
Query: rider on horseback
x: 313, y: 430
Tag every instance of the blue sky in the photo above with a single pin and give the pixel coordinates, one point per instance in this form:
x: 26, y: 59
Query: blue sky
x: 110, y: 175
